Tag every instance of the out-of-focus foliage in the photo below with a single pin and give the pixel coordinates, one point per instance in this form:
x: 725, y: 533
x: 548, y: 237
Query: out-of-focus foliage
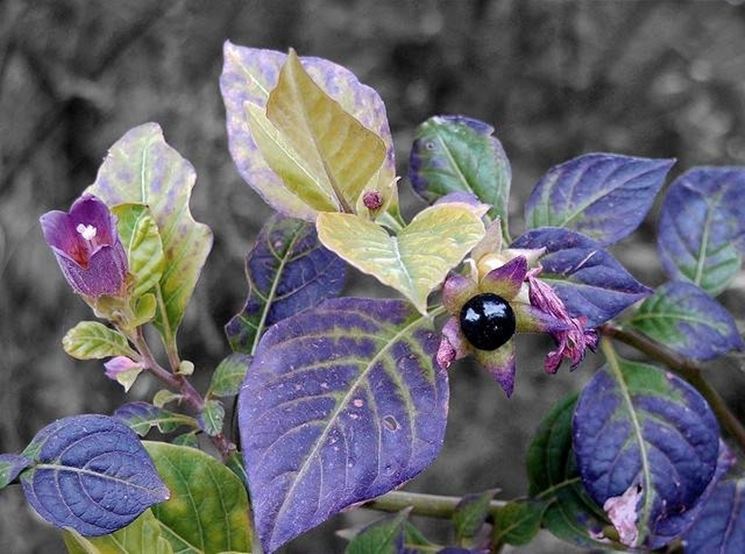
x: 556, y: 79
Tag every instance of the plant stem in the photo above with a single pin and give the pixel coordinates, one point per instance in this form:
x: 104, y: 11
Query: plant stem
x: 685, y: 368
x: 429, y: 505
x: 181, y: 384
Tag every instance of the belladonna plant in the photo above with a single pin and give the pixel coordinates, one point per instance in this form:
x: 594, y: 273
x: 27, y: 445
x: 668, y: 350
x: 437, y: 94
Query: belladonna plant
x: 341, y: 401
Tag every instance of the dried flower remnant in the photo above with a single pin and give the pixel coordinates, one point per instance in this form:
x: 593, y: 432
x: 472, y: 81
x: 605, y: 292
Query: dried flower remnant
x: 87, y: 247
x: 622, y: 511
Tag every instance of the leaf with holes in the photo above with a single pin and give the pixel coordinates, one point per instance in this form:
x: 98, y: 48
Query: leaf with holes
x: 604, y: 196
x: 91, y: 474
x: 142, y: 536
x: 459, y: 154
x: 587, y: 278
x: 141, y: 417
x: 208, y: 509
x: 646, y: 443
x: 229, y: 374
x: 10, y: 466
x: 342, y: 403
x: 248, y: 77
x: 701, y: 235
x: 415, y: 261
x: 721, y: 526
x: 683, y: 317
x: 288, y: 271
x: 142, y: 168
x: 91, y: 340
x: 141, y: 240
x: 553, y: 478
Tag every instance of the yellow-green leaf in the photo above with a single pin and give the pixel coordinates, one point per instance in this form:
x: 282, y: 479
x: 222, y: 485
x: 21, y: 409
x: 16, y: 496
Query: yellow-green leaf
x: 142, y: 168
x: 142, y: 536
x: 141, y: 239
x: 301, y: 178
x: 415, y: 261
x: 339, y: 151
x: 91, y: 340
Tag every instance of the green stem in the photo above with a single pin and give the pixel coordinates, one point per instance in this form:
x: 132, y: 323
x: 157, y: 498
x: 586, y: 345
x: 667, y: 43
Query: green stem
x: 430, y: 505
x: 685, y: 368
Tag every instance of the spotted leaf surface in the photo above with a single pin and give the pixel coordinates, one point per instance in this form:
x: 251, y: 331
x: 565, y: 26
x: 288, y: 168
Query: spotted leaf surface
x: 248, y: 77
x: 721, y: 526
x: 459, y: 154
x: 90, y: 474
x: 636, y: 427
x: 701, y: 235
x: 415, y: 261
x: 288, y: 271
x: 208, y: 509
x: 604, y: 196
x: 553, y: 478
x: 342, y: 404
x: 587, y: 278
x: 141, y: 168
x: 683, y: 317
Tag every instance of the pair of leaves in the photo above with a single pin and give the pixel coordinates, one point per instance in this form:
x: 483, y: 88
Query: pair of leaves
x: 90, y: 473
x: 288, y: 271
x: 587, y: 278
x: 342, y: 403
x: 305, y: 133
x: 638, y: 427
x: 416, y: 260
x: 206, y: 514
x: 142, y: 170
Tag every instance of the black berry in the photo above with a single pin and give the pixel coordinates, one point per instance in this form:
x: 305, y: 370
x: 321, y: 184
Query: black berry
x: 487, y: 321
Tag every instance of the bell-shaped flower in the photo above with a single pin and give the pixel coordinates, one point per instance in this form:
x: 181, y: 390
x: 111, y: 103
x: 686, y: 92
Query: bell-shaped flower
x: 87, y: 247
x: 123, y: 370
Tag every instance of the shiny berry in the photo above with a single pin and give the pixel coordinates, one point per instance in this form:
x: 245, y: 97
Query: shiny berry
x: 487, y: 321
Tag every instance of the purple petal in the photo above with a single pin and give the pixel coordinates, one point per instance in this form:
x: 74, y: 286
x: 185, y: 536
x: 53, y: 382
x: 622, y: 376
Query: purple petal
x: 60, y: 234
x: 456, y: 291
x: 500, y: 364
x: 506, y: 280
x: 106, y: 273
x: 119, y: 364
x: 89, y: 210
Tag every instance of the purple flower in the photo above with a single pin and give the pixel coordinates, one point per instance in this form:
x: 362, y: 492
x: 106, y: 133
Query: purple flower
x: 123, y: 370
x: 87, y: 247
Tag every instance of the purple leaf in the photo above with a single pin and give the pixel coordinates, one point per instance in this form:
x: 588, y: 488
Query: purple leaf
x: 639, y: 429
x: 683, y: 317
x: 141, y: 417
x: 702, y: 227
x: 675, y: 525
x: 342, y: 403
x: 288, y: 271
x: 248, y: 75
x: 91, y: 474
x: 721, y: 526
x: 10, y: 466
x: 588, y: 279
x: 604, y: 196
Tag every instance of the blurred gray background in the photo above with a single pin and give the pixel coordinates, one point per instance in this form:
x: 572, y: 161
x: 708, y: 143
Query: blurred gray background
x: 556, y: 78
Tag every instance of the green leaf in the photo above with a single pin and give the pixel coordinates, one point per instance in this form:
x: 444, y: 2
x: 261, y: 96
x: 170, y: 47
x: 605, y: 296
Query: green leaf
x: 142, y: 168
x: 142, y: 536
x: 212, y: 417
x: 339, y: 152
x: 553, y: 476
x: 229, y: 374
x: 91, y: 340
x: 141, y: 417
x: 141, y: 240
x: 418, y: 259
x: 187, y: 439
x: 145, y: 308
x: 518, y: 522
x: 165, y: 396
x: 384, y: 536
x: 208, y: 509
x: 471, y: 513
x: 460, y: 154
